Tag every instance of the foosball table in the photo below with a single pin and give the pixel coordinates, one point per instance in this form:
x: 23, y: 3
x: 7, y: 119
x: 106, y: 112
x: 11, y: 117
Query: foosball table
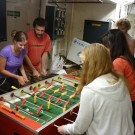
x: 38, y: 109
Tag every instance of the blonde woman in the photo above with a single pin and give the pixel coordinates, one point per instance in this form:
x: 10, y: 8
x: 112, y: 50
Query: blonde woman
x: 124, y: 26
x: 105, y: 105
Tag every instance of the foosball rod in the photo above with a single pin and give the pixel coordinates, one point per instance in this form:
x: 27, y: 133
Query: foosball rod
x: 66, y: 79
x: 64, y: 83
x: 64, y: 119
x: 68, y: 120
x: 31, y: 95
x: 41, y: 99
x: 13, y: 105
x: 46, y: 100
x: 74, y: 113
x: 72, y: 77
x: 48, y: 95
x: 24, y: 110
x: 12, y: 94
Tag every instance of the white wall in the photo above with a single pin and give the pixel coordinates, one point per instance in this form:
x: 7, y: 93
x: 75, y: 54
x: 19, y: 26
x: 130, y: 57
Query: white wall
x: 131, y: 17
x: 28, y: 11
x: 77, y: 13
x: 75, y: 16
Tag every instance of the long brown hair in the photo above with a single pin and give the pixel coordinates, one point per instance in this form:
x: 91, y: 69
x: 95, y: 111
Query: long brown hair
x: 97, y: 62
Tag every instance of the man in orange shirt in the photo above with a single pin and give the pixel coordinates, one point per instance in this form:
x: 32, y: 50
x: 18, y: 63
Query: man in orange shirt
x: 39, y: 44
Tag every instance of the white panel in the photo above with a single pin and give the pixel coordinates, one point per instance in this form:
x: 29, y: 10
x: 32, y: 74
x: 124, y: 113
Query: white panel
x: 75, y: 50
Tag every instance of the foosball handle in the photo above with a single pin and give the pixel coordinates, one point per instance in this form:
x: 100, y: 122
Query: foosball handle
x: 13, y: 87
x: 56, y: 126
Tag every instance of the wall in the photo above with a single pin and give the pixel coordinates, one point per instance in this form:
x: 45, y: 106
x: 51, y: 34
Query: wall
x: 75, y: 16
x: 131, y: 17
x: 28, y: 11
x: 77, y: 13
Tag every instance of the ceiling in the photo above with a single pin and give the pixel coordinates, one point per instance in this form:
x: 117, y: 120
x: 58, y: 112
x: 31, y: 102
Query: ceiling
x: 127, y: 2
x: 79, y: 1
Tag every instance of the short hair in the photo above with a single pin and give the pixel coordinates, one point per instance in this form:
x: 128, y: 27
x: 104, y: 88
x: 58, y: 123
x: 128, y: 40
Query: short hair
x: 125, y: 22
x: 20, y: 36
x: 40, y: 22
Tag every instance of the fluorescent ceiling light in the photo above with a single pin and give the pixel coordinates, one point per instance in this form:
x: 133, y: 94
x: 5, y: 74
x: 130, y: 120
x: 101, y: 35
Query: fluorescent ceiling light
x: 123, y: 2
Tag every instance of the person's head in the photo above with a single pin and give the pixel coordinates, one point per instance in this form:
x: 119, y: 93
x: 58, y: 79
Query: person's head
x: 20, y: 39
x: 39, y: 27
x: 123, y: 25
x: 116, y: 41
x: 96, y: 62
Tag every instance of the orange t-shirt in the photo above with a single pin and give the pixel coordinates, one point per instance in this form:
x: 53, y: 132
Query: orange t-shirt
x: 126, y: 69
x: 36, y: 47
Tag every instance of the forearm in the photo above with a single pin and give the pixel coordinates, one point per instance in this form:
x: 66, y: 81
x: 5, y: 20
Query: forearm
x: 9, y: 74
x: 44, y: 60
x: 22, y: 71
x: 29, y: 63
x: 85, y: 115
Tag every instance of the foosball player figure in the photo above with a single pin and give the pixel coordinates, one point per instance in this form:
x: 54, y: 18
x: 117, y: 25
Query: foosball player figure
x: 35, y: 91
x: 16, y: 107
x: 23, y: 102
x: 39, y: 109
x: 61, y: 89
x: 62, y: 85
x: 48, y: 104
x: 30, y: 88
x: 42, y: 94
x: 35, y: 99
x: 64, y: 108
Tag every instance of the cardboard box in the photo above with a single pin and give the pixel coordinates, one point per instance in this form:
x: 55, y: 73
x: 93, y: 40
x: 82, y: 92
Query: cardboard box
x: 75, y: 50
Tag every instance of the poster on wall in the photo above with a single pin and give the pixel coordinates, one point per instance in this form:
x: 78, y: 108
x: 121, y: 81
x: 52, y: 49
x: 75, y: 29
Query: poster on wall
x: 75, y: 50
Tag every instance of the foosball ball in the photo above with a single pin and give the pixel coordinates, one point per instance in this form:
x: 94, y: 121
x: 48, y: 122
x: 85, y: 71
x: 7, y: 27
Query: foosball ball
x: 38, y: 109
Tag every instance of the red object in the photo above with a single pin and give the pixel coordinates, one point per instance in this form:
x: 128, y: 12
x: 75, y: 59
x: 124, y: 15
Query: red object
x: 57, y: 100
x: 23, y: 102
x: 46, y: 82
x: 2, y: 99
x: 30, y: 88
x: 31, y: 113
x: 16, y: 106
x: 67, y: 102
x: 50, y: 97
x: 39, y: 109
x: 71, y: 76
x: 17, y: 124
x: 42, y: 94
x: 13, y: 124
x: 61, y: 89
x: 35, y: 91
x: 75, y: 92
x: 50, y: 84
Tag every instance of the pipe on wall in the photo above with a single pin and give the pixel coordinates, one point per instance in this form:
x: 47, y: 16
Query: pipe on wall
x: 56, y: 1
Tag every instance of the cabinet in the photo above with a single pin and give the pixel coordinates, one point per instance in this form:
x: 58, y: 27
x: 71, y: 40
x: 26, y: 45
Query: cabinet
x: 93, y: 30
x: 55, y: 18
x: 3, y: 33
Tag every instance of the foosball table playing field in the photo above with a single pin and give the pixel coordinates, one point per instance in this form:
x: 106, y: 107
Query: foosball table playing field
x: 38, y: 109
